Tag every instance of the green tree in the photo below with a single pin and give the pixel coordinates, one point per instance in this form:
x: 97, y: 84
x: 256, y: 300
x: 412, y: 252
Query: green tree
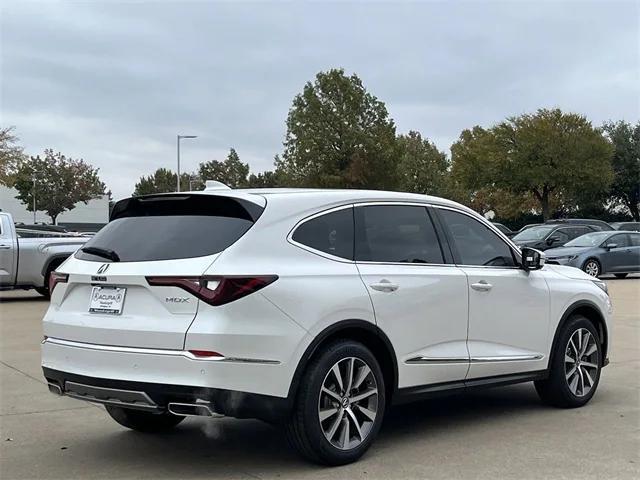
x: 162, y: 180
x: 60, y: 183
x: 422, y: 168
x: 232, y: 172
x: 338, y: 135
x: 558, y: 158
x: 10, y: 155
x: 625, y: 188
x: 267, y: 179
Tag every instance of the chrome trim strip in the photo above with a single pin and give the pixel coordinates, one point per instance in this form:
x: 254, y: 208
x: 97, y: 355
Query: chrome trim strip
x: 505, y: 358
x: 156, y: 351
x: 423, y: 360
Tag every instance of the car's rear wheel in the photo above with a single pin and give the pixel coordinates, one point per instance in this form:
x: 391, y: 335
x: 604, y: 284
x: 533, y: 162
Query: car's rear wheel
x: 144, y: 421
x: 592, y: 267
x: 620, y: 275
x: 340, y: 405
x: 575, y: 365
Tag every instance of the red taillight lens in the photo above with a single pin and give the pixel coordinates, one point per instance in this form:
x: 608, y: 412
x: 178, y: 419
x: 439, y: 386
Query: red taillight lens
x: 216, y: 290
x: 56, y: 278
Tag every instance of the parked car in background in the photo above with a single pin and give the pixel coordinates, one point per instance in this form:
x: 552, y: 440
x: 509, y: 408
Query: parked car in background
x: 546, y: 235
x: 504, y: 229
x: 627, y: 226
x: 27, y: 262
x: 600, y: 253
x: 595, y: 224
x: 312, y: 309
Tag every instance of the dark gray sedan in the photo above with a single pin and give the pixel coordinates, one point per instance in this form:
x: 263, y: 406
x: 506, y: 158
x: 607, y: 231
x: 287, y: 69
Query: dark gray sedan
x: 599, y: 253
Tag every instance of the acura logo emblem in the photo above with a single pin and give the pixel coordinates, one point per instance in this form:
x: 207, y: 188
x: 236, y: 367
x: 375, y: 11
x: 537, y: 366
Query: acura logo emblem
x: 103, y: 268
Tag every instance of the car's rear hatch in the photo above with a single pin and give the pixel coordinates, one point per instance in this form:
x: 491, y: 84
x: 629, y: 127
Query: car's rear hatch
x: 107, y: 298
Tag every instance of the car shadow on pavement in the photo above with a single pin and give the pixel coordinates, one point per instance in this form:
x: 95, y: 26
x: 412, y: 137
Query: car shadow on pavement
x: 37, y: 298
x: 229, y: 448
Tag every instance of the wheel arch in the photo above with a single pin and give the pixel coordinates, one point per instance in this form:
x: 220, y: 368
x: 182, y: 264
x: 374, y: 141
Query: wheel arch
x: 54, y: 261
x: 591, y: 311
x: 361, y: 331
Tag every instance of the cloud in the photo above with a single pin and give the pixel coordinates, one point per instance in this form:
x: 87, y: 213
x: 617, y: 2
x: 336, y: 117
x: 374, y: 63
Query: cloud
x: 114, y: 82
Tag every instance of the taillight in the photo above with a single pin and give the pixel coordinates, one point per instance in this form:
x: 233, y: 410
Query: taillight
x: 216, y: 290
x: 55, y: 278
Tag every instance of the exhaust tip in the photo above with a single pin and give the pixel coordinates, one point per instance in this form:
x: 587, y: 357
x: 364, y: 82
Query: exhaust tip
x: 54, y: 388
x: 192, y: 410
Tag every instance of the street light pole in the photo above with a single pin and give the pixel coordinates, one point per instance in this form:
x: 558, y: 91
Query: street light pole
x: 178, y: 138
x: 34, y: 197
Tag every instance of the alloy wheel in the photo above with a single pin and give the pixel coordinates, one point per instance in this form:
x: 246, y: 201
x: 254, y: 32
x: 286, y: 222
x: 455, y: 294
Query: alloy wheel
x: 592, y: 268
x: 348, y: 403
x: 581, y: 362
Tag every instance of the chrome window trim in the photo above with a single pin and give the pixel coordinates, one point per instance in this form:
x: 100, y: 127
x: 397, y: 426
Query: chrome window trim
x: 354, y: 205
x: 154, y: 351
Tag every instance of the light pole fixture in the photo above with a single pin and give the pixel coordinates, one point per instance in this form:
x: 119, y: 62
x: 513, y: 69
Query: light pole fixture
x: 180, y: 137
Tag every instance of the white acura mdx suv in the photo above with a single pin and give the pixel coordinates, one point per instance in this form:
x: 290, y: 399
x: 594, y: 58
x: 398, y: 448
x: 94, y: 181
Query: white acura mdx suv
x: 314, y: 309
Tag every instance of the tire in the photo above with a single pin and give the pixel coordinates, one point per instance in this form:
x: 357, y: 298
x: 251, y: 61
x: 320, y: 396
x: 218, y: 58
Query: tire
x: 592, y: 267
x: 621, y: 275
x: 352, y: 419
x: 563, y: 388
x: 144, y: 421
x: 44, y: 291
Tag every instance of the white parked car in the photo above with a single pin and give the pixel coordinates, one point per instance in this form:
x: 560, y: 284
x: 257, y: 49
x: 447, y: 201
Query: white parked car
x: 315, y: 309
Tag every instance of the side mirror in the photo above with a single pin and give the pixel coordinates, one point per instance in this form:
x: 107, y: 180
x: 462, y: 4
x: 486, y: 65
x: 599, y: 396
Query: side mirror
x: 532, y: 259
x: 609, y: 246
x: 552, y: 240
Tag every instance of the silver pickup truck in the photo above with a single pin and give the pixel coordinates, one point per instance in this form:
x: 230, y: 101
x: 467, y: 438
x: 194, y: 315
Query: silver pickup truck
x: 26, y: 263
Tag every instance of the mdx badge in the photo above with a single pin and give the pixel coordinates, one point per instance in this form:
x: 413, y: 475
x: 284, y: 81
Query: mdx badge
x: 176, y: 299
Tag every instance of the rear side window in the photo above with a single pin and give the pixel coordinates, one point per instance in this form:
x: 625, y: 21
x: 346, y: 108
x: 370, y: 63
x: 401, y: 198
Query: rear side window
x: 634, y: 240
x: 475, y: 243
x: 331, y: 233
x: 171, y: 227
x: 396, y: 234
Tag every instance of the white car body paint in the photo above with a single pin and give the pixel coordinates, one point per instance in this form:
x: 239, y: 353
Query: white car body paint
x: 440, y: 328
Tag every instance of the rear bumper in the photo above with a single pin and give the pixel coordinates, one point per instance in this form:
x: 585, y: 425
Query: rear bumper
x: 157, y: 396
x: 167, y: 367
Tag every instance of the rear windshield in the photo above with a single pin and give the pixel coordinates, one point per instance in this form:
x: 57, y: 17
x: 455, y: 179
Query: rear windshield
x: 170, y: 227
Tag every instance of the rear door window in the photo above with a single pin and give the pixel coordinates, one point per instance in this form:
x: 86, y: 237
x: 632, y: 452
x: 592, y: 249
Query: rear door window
x: 171, y: 227
x: 330, y: 233
x: 396, y: 234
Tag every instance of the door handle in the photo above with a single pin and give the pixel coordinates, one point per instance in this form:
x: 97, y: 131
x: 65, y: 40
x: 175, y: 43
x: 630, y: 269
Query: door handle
x: 482, y: 286
x: 384, y: 286
x: 5, y: 247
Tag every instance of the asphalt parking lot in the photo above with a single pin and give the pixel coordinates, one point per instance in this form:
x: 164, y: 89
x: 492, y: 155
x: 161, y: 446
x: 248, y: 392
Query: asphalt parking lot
x: 497, y: 433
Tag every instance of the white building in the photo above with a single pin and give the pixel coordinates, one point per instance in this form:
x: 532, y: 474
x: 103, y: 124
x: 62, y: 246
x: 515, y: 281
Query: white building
x: 96, y: 211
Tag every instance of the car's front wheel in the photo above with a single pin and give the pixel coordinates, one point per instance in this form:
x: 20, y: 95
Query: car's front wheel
x: 574, y: 372
x: 144, y: 421
x: 339, y: 406
x: 592, y: 267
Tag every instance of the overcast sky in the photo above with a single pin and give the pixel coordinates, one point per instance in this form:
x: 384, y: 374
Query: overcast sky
x: 113, y: 82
